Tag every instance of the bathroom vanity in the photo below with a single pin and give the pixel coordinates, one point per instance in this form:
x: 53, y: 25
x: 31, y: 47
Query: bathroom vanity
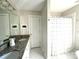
x: 18, y: 50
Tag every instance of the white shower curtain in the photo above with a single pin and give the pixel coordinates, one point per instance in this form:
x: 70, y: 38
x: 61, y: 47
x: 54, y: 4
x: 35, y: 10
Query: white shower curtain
x: 60, y: 35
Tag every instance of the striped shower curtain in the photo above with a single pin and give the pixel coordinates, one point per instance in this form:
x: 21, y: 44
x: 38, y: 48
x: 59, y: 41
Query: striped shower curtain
x: 60, y: 35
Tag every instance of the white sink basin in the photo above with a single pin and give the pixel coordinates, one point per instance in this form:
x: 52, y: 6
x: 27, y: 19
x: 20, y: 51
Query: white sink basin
x: 11, y: 55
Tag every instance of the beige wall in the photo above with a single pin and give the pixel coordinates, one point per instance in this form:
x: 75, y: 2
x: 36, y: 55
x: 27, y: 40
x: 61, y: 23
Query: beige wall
x: 75, y: 9
x: 29, y: 13
x: 53, y: 14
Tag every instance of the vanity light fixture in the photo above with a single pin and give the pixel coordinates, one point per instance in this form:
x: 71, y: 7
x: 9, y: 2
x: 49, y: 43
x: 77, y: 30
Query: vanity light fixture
x: 4, y: 4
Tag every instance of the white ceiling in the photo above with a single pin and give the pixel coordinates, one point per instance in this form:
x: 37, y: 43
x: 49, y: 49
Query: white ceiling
x: 37, y: 5
x: 29, y: 5
x: 61, y: 5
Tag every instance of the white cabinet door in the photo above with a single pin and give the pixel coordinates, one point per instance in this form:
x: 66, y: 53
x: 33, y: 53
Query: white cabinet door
x: 24, y: 25
x: 14, y: 25
x: 4, y: 26
x: 34, y: 21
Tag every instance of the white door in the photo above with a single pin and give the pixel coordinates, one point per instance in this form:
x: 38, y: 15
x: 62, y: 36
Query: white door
x: 35, y: 30
x: 14, y: 25
x: 60, y: 34
x: 4, y: 26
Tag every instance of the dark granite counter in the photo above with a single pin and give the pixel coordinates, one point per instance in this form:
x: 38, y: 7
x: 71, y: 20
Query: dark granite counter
x: 20, y: 45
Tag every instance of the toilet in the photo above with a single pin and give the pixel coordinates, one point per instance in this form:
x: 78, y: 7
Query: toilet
x: 77, y: 53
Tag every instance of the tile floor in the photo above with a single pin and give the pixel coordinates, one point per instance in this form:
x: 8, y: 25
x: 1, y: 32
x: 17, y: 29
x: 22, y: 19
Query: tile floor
x: 70, y: 55
x: 36, y: 53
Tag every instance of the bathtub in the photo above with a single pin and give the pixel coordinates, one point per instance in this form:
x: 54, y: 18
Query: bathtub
x: 10, y: 55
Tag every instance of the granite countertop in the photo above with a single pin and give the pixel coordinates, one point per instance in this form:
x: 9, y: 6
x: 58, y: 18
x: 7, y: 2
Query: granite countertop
x: 21, y: 42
